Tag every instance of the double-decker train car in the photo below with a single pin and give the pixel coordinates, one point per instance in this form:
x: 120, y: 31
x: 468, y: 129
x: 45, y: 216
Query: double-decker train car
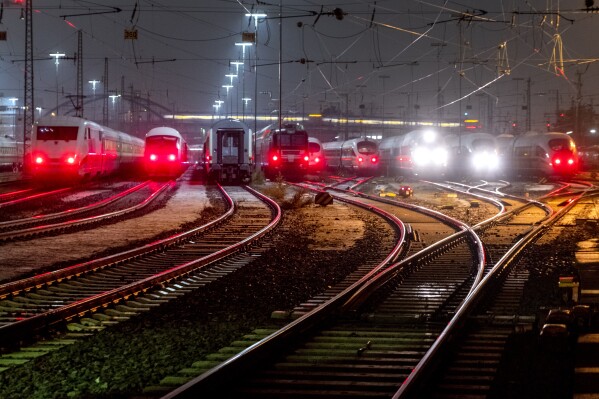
x: 317, y: 161
x: 473, y: 154
x: 359, y: 156
x: 228, y: 152
x: 68, y: 147
x: 540, y: 154
x: 165, y: 152
x: 283, y: 150
x: 419, y: 152
x: 11, y: 154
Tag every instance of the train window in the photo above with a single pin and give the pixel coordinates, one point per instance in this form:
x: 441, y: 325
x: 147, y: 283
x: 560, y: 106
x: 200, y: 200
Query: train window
x: 58, y: 133
x: 367, y: 147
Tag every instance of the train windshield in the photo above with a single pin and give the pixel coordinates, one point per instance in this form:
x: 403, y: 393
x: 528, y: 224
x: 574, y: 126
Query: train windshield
x: 313, y: 147
x: 163, y: 143
x: 297, y: 139
x: 60, y: 133
x: 559, y: 144
x: 483, y: 144
x: 367, y: 147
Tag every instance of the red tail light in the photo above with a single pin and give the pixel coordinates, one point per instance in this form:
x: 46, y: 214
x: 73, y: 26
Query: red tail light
x: 570, y: 161
x: 316, y: 160
x: 557, y: 161
x: 153, y: 157
x: 360, y: 159
x: 374, y: 160
x: 275, y: 157
x: 172, y: 157
x: 306, y: 158
x: 39, y: 160
x: 71, y: 160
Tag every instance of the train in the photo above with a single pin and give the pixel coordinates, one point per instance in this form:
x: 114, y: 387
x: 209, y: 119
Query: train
x: 165, y: 152
x: 545, y: 154
x: 283, y: 150
x: 11, y: 154
x: 317, y: 162
x: 69, y: 147
x: 416, y: 153
x: 358, y: 155
x: 228, y: 152
x: 474, y: 154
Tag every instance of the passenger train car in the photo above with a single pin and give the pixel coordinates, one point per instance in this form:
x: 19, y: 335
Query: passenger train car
x: 11, y: 154
x: 68, y: 147
x: 283, y: 150
x: 317, y: 161
x: 359, y: 155
x: 419, y: 152
x: 473, y: 154
x: 540, y: 154
x: 228, y: 152
x: 165, y: 152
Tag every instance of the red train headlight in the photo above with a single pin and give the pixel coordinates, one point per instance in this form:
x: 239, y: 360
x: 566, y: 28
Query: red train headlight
x: 39, y: 160
x: 153, y: 157
x: 172, y: 157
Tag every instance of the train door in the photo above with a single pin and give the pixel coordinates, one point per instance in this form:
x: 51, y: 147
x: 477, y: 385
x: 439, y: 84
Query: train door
x: 231, y: 146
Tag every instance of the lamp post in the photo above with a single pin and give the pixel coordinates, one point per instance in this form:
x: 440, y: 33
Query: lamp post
x: 57, y: 56
x: 255, y: 16
x: 94, y: 83
x: 245, y: 103
x: 113, y: 97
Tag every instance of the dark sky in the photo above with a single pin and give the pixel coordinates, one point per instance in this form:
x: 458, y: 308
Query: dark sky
x: 398, y: 58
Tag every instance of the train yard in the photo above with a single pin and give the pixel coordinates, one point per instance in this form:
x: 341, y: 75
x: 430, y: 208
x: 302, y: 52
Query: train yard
x: 177, y: 336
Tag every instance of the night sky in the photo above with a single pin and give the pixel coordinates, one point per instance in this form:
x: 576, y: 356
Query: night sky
x: 405, y: 59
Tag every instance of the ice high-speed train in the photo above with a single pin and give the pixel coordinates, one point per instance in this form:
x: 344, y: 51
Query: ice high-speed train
x: 165, y: 152
x: 359, y: 156
x: 539, y: 154
x: 317, y: 160
x: 473, y: 154
x: 68, y: 147
x: 419, y: 152
x: 228, y: 152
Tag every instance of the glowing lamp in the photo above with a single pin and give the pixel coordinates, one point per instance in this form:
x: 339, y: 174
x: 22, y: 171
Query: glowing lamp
x: 275, y: 158
x: 360, y: 159
x: 39, y: 160
x: 153, y: 157
x: 172, y: 157
x: 71, y: 160
x: 374, y: 160
x: 306, y: 158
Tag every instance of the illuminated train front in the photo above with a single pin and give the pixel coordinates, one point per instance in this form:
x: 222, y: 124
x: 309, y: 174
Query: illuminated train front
x: 166, y: 152
x: 68, y: 147
x: 283, y: 151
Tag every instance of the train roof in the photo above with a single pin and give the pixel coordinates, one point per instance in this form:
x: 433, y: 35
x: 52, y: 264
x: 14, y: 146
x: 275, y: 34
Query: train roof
x: 230, y: 124
x: 164, y: 131
x: 539, y: 137
x: 65, y: 121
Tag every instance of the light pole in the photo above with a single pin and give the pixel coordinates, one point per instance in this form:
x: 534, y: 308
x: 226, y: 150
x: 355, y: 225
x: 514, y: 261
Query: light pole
x: 255, y: 16
x: 113, y: 98
x: 94, y: 83
x: 245, y: 103
x: 57, y: 56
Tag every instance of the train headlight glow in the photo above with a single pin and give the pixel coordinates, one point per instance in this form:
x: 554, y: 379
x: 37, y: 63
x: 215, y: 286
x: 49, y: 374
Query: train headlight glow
x: 153, y: 157
x: 360, y: 159
x: 316, y: 160
x: 39, y: 160
x: 570, y: 161
x: 306, y: 158
x: 429, y: 136
x: 374, y: 160
x: 172, y: 157
x: 71, y: 160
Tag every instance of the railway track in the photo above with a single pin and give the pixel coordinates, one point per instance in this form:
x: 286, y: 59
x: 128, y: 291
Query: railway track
x: 90, y: 296
x: 367, y: 340
x: 114, y: 206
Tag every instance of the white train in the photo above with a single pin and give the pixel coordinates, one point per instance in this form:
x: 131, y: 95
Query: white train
x: 359, y: 155
x: 539, y: 154
x: 71, y: 147
x: 473, y: 154
x: 11, y: 154
x: 317, y: 160
x: 165, y: 152
x: 419, y: 152
x: 228, y: 152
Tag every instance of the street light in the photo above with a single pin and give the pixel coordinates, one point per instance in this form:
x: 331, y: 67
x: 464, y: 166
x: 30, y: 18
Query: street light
x: 245, y: 100
x: 243, y: 46
x: 94, y: 83
x: 57, y: 56
x: 114, y: 97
